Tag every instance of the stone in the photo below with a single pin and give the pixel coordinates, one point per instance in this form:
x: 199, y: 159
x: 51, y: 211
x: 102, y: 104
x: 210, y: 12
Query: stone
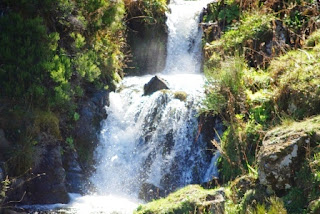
x: 149, y: 192
x: 48, y: 185
x: 155, y: 84
x: 283, y: 151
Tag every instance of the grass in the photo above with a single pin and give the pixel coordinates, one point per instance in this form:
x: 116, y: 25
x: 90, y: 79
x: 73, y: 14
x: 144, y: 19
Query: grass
x: 252, y: 26
x: 297, y: 83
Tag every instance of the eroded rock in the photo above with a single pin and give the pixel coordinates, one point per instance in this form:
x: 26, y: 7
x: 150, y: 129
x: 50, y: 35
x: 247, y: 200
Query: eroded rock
x: 283, y: 151
x: 155, y: 84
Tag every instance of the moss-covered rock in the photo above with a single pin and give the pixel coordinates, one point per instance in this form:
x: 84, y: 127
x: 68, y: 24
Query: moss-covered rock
x: 190, y: 199
x: 284, y: 150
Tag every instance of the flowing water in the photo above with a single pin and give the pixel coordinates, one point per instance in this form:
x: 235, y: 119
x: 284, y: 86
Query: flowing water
x: 150, y: 143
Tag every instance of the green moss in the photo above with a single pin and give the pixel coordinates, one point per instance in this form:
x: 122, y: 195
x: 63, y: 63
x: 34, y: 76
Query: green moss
x: 180, y: 95
x: 46, y: 122
x: 191, y: 198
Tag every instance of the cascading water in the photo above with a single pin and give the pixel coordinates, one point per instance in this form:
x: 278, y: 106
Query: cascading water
x: 153, y: 142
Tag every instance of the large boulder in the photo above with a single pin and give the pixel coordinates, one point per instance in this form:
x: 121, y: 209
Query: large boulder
x: 155, y: 84
x: 283, y: 152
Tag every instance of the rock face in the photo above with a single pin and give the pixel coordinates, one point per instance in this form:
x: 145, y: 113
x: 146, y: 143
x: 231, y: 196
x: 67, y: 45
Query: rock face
x: 49, y: 187
x: 92, y: 111
x: 283, y: 151
x: 155, y: 84
x: 75, y: 178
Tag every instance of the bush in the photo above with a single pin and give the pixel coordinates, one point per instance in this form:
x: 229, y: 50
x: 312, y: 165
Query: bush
x: 26, y: 51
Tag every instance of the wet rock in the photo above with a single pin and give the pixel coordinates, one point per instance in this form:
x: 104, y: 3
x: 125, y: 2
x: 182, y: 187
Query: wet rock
x: 17, y: 190
x: 149, y: 192
x: 75, y: 178
x: 155, y: 84
x: 283, y: 151
x: 92, y: 112
x: 12, y: 211
x: 48, y: 185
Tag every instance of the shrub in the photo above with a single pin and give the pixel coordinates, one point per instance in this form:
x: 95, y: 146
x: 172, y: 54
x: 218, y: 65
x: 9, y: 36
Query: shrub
x: 26, y: 50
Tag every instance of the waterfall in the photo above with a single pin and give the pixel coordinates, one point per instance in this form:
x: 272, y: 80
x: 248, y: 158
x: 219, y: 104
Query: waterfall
x: 151, y: 145
x: 154, y: 140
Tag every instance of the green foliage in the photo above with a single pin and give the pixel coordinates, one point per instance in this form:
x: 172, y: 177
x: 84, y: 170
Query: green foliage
x: 79, y: 40
x: 76, y: 116
x: 225, y: 86
x: 149, y: 11
x: 70, y: 143
x: 86, y: 64
x: 276, y: 206
x: 253, y: 25
x: 295, y: 200
x: 223, y: 11
x: 4, y: 187
x: 26, y: 49
x: 295, y: 20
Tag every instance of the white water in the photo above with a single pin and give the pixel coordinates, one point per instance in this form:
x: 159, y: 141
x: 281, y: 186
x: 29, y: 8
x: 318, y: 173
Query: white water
x: 154, y: 139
